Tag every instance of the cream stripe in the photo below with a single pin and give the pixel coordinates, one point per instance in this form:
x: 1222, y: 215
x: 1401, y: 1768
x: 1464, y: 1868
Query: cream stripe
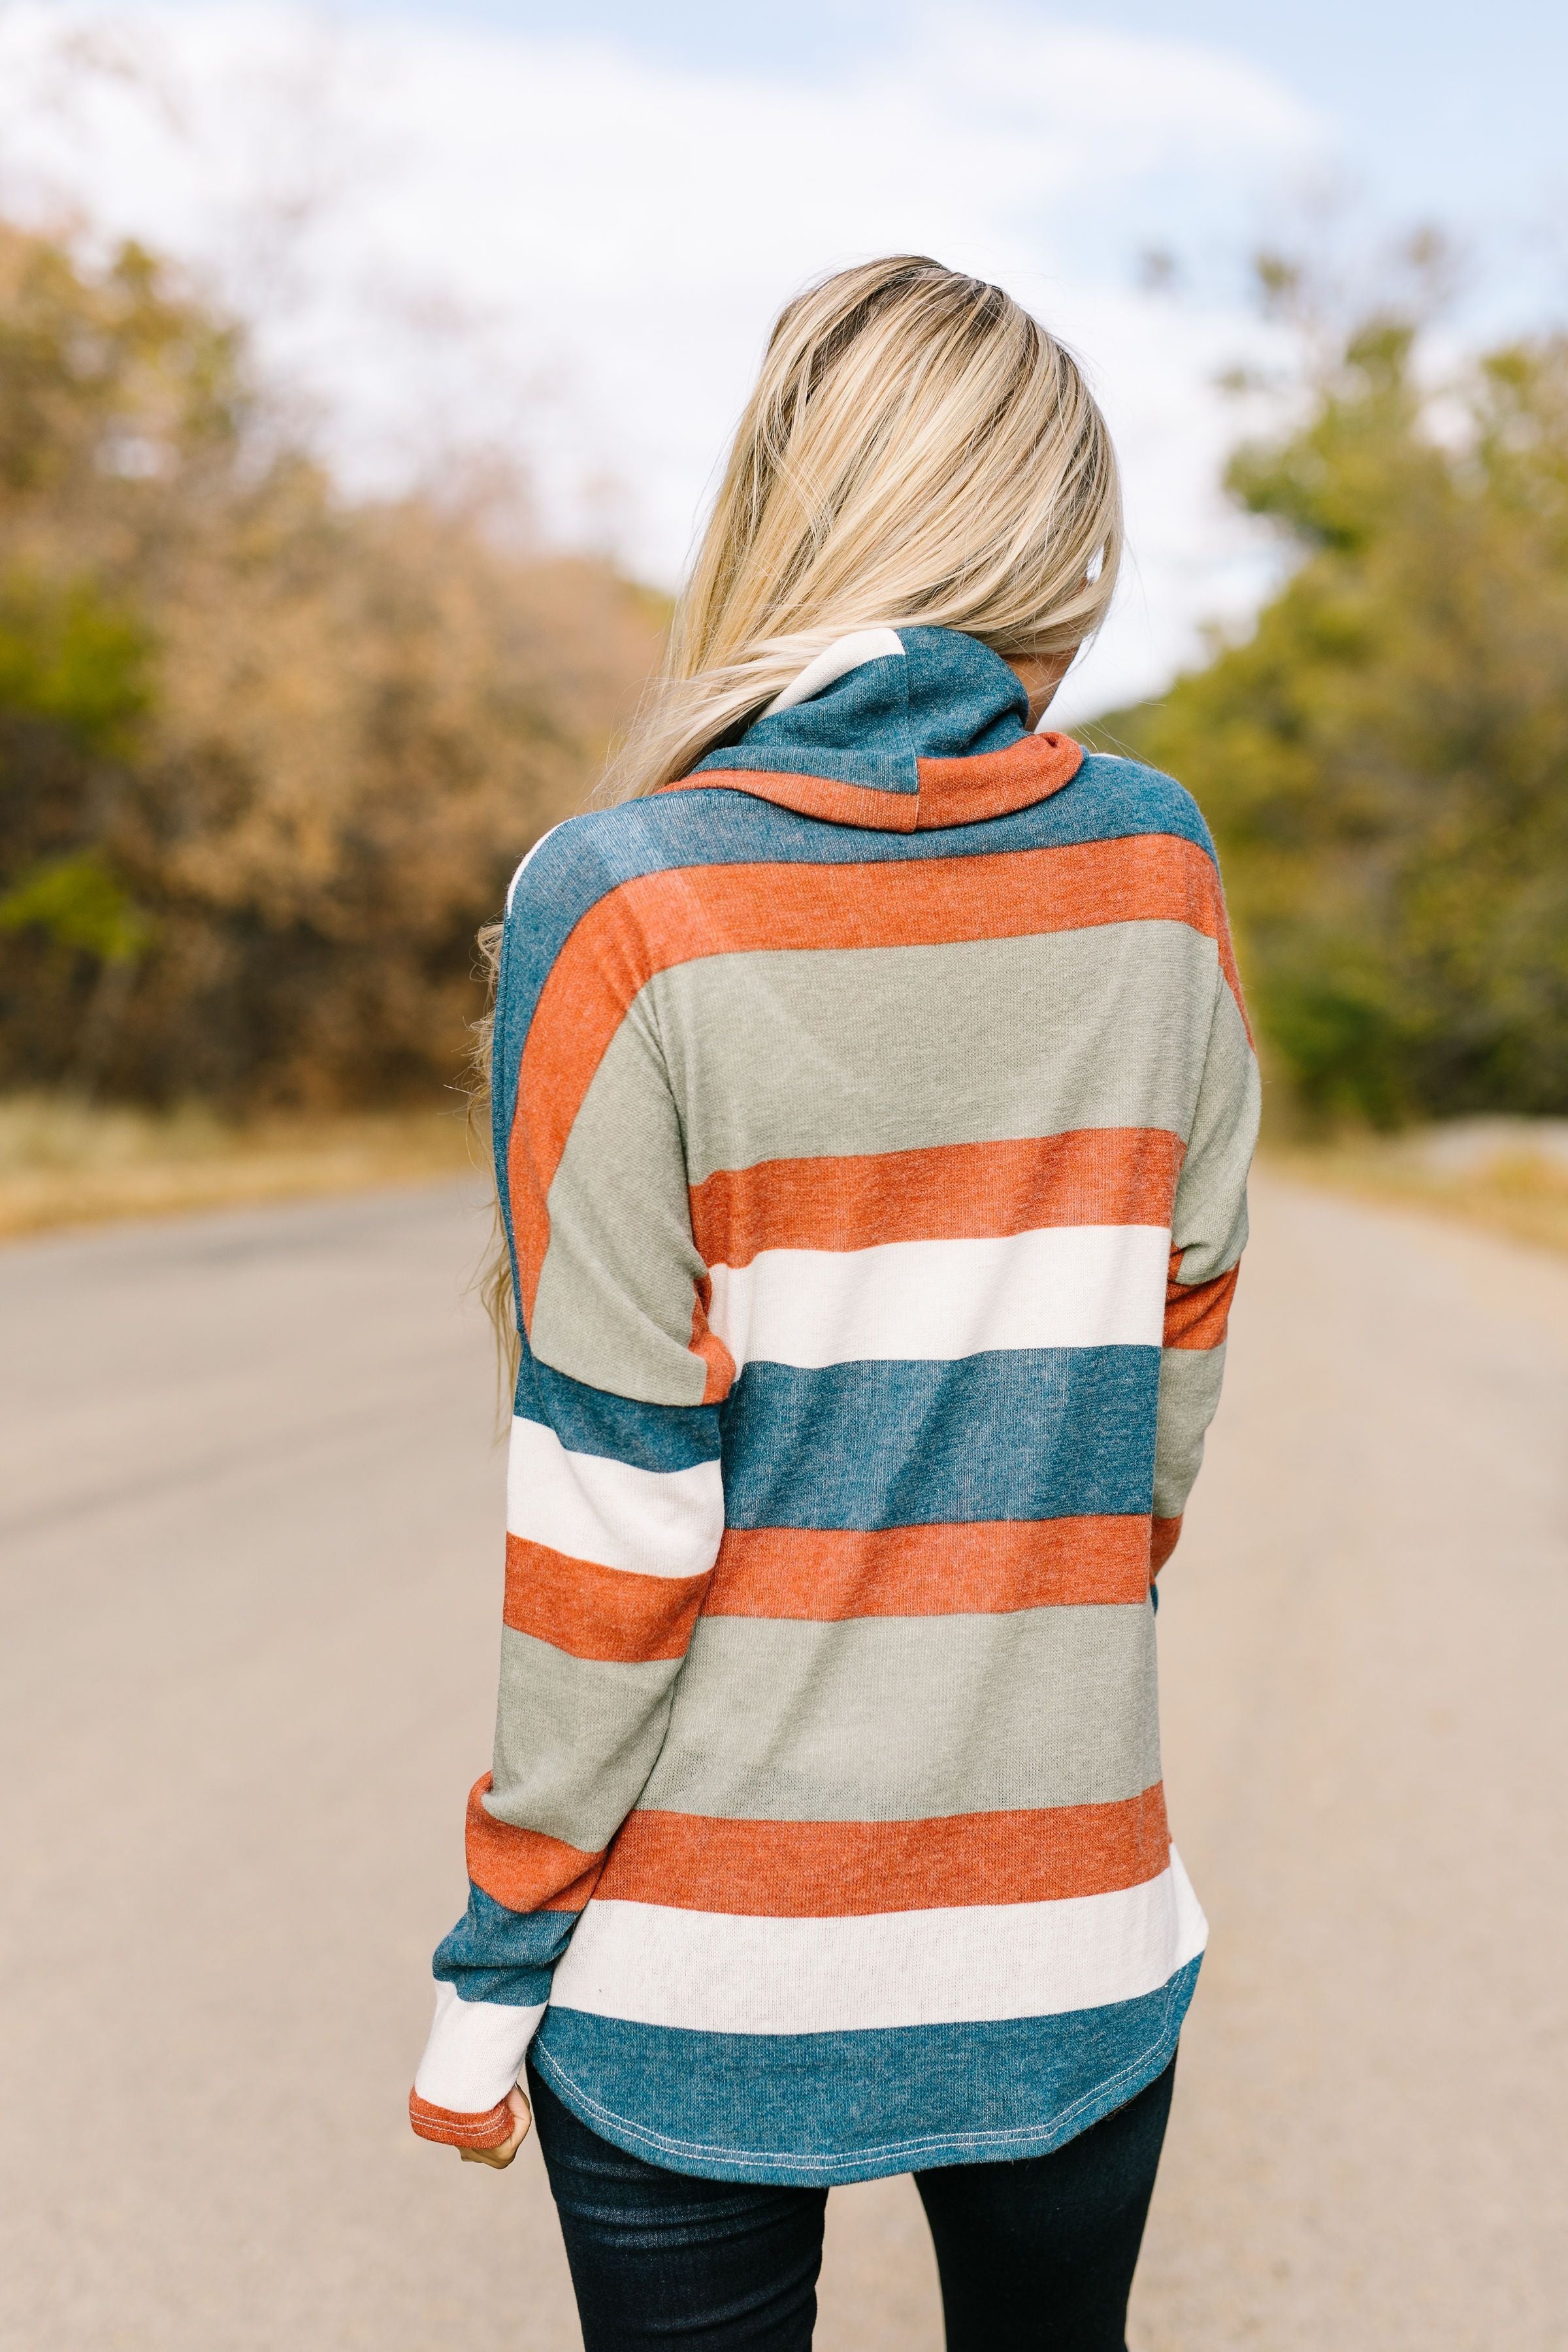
x: 837, y: 661
x: 1072, y: 1286
x: 475, y: 2052
x: 715, y: 1973
x: 656, y: 1522
x: 527, y: 856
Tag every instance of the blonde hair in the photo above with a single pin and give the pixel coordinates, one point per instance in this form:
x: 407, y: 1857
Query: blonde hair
x: 917, y: 450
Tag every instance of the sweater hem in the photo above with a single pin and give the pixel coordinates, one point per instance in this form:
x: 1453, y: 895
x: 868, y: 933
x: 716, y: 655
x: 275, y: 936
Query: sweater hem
x: 793, y: 2167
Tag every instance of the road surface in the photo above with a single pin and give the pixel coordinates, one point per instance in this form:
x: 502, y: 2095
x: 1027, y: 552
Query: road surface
x: 251, y: 1510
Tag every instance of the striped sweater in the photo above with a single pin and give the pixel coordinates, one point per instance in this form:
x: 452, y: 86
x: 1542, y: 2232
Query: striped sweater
x: 872, y: 1112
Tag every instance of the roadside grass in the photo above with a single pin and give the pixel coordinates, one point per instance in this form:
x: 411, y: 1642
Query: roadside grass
x: 1509, y: 1176
x: 73, y: 1163
x: 65, y: 1162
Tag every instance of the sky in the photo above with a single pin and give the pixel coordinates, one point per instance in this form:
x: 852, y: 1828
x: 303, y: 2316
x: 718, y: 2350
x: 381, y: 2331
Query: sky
x: 562, y: 232
x: 1437, y: 101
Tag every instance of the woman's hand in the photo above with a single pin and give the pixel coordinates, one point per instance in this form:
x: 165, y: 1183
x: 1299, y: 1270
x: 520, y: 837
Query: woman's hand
x: 498, y: 2159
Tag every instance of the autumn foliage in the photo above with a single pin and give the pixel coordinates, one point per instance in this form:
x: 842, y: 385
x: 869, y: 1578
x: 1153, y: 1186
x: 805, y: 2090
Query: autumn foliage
x: 267, y: 755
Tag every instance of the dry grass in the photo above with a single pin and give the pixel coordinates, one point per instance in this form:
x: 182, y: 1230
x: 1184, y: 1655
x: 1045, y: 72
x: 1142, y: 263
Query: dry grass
x: 64, y: 1163
x: 1515, y: 1188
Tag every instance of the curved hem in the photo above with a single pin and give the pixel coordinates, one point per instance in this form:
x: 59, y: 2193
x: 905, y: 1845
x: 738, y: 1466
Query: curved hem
x: 785, y: 2168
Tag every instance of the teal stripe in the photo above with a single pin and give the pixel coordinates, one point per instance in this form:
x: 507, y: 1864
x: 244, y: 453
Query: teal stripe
x: 811, y: 2109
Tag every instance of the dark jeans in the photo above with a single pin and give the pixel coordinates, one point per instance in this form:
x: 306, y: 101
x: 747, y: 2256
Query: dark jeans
x: 1037, y: 2256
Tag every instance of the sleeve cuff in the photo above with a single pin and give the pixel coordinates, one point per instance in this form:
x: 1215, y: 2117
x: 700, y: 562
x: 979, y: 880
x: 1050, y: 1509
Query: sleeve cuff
x: 492, y: 2129
x: 473, y: 2055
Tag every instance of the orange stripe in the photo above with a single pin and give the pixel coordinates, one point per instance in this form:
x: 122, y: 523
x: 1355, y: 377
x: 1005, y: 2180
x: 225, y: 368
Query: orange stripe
x: 952, y: 1192
x: 993, y: 784
x: 1196, y: 1313
x: 822, y: 796
x: 986, y: 1568
x: 952, y: 791
x: 835, y: 1870
x: 598, y: 1613
x: 1166, y: 1534
x: 679, y: 914
x: 492, y: 2129
x: 523, y: 1868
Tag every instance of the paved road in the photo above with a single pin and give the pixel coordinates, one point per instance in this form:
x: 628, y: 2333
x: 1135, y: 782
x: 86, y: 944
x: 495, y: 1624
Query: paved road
x: 251, y: 1580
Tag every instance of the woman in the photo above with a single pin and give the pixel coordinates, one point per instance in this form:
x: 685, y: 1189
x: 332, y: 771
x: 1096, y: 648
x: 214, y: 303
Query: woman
x: 873, y: 1104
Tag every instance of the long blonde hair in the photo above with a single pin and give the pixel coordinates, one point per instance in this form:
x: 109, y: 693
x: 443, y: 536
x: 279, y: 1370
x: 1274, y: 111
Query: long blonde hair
x: 917, y: 450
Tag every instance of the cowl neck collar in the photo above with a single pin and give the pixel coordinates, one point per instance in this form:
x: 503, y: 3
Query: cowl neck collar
x: 899, y: 730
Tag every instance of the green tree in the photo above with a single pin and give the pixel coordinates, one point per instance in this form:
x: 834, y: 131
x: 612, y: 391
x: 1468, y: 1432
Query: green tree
x: 1385, y: 759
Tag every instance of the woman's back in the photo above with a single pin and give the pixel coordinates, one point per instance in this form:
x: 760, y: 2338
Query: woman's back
x: 875, y: 1109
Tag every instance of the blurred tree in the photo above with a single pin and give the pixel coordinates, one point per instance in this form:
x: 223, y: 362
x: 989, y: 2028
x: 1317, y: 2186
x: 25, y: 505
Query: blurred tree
x: 267, y: 757
x: 1385, y: 759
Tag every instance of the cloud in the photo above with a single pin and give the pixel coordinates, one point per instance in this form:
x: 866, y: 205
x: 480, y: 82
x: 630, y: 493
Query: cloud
x: 453, y: 234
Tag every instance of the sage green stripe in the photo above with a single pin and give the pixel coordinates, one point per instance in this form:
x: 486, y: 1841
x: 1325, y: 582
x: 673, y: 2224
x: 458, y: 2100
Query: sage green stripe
x: 902, y: 1719
x: 615, y: 1293
x: 789, y: 1055
x: 1190, y: 1381
x: 730, y: 1060
x: 1209, y: 1225
x: 575, y: 1738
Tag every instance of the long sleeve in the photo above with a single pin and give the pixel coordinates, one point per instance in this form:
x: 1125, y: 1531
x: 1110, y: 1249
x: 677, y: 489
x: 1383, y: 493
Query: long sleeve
x: 1208, y: 1235
x: 616, y: 1504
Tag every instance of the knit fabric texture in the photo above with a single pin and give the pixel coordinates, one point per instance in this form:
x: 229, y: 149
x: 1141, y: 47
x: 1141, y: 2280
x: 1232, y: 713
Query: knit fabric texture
x: 872, y: 1115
